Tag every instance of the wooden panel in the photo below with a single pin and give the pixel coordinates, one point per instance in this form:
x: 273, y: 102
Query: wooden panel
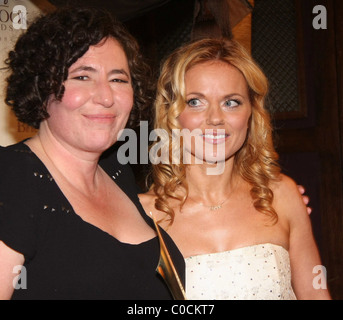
x: 242, y: 31
x: 323, y: 134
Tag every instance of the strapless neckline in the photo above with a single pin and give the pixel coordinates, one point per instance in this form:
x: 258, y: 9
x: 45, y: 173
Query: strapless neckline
x: 255, y: 272
x: 238, y: 249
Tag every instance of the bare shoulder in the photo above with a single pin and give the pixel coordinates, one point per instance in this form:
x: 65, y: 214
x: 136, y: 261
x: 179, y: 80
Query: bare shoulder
x: 287, y: 198
x: 285, y: 186
x: 147, y: 200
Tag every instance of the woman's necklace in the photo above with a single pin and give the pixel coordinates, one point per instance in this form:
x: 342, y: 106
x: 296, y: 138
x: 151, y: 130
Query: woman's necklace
x: 213, y: 207
x: 218, y: 206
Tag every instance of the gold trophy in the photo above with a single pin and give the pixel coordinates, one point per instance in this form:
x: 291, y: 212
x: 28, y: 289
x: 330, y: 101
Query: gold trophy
x: 167, y: 269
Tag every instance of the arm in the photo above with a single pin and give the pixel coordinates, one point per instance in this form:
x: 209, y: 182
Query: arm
x: 304, y: 255
x: 8, y: 260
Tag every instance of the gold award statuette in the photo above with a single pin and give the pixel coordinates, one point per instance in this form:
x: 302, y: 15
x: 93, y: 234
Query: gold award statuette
x: 167, y: 269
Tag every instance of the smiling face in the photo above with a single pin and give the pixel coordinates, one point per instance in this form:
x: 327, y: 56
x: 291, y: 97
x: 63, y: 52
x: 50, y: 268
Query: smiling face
x: 218, y: 104
x: 97, y: 101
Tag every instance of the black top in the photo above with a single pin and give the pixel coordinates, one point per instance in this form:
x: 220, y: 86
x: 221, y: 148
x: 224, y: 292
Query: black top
x: 66, y: 257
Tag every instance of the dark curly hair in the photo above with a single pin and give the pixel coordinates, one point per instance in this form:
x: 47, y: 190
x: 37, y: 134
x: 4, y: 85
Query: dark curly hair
x: 42, y: 56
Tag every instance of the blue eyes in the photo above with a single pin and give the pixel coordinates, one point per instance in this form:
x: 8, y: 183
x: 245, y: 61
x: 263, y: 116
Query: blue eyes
x: 230, y: 103
x: 193, y: 102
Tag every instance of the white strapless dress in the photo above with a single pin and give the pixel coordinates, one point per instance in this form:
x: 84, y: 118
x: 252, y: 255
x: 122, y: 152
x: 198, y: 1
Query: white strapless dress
x: 257, y: 272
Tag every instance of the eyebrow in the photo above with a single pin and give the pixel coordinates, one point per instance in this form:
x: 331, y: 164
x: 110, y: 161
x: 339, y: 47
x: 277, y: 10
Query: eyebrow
x: 228, y: 96
x: 91, y: 69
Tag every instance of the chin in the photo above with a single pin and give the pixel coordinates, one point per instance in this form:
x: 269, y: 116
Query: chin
x: 215, y: 157
x: 99, y: 145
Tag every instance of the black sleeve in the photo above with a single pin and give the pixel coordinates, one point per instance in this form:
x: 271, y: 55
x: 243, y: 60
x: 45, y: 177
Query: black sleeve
x: 18, y: 217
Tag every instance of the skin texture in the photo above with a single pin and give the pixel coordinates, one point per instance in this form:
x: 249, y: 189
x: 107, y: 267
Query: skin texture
x: 217, y: 98
x: 214, y: 110
x: 95, y: 107
x: 87, y: 118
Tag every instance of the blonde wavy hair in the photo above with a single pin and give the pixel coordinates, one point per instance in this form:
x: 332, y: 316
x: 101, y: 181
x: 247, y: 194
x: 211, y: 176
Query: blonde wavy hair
x: 255, y: 162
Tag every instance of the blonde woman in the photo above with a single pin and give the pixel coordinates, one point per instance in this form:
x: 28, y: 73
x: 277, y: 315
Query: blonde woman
x: 243, y: 229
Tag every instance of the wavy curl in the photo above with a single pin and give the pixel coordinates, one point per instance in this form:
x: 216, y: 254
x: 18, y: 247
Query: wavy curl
x: 256, y: 161
x: 42, y: 56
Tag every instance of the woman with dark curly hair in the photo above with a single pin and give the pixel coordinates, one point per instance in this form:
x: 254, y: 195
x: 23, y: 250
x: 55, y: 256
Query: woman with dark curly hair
x: 69, y: 212
x: 241, y: 225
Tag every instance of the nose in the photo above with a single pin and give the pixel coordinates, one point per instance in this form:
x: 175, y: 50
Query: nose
x: 215, y: 116
x: 103, y: 94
